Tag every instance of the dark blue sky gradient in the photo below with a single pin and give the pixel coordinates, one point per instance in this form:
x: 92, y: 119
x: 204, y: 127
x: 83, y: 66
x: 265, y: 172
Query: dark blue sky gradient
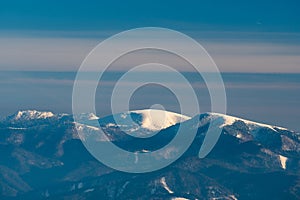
x: 255, y: 15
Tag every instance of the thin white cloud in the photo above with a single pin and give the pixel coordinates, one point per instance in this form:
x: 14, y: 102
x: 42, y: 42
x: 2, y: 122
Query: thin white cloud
x: 45, y: 54
x: 66, y: 54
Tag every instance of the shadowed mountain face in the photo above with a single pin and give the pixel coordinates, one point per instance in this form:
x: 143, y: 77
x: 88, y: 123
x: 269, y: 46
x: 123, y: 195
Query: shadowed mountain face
x: 43, y: 157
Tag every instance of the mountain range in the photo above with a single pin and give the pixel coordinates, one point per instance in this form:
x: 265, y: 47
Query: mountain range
x: 43, y: 157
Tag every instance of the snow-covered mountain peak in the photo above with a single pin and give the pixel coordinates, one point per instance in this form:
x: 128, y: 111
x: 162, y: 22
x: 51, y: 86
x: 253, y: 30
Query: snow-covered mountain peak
x: 229, y: 120
x: 86, y: 117
x: 155, y: 120
x: 31, y: 114
x: 92, y: 116
x: 142, y: 123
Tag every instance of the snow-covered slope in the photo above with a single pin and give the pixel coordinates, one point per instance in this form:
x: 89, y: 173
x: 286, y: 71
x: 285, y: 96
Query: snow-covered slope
x: 246, y: 130
x: 229, y: 120
x: 142, y: 123
x: 277, y: 143
x: 159, y: 119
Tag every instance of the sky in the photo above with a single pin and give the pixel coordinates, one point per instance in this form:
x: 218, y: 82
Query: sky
x: 252, y: 36
x: 267, y: 98
x: 250, y: 41
x: 117, y: 15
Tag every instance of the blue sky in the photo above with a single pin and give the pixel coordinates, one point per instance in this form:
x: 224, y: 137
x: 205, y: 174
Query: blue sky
x: 252, y: 36
x: 255, y: 15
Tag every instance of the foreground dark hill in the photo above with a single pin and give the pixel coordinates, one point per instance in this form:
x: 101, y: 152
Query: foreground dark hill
x: 42, y: 157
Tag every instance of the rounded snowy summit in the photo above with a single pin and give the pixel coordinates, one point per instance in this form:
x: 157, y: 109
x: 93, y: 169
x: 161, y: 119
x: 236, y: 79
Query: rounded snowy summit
x: 153, y: 119
x: 143, y: 123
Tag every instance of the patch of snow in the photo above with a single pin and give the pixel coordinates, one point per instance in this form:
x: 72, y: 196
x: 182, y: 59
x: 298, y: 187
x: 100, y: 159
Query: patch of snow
x: 281, y: 128
x: 228, y: 120
x: 179, y: 198
x: 164, y: 184
x: 123, y: 116
x: 239, y: 135
x: 123, y: 188
x: 268, y: 152
x: 80, y: 185
x: 283, y: 160
x: 111, y: 125
x: 85, y: 117
x: 85, y: 131
x: 92, y: 127
x: 63, y: 115
x: 92, y: 116
x: 39, y: 144
x: 233, y: 197
x: 288, y: 144
x: 16, y: 128
x: 133, y: 129
x: 89, y: 190
x: 125, y: 184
